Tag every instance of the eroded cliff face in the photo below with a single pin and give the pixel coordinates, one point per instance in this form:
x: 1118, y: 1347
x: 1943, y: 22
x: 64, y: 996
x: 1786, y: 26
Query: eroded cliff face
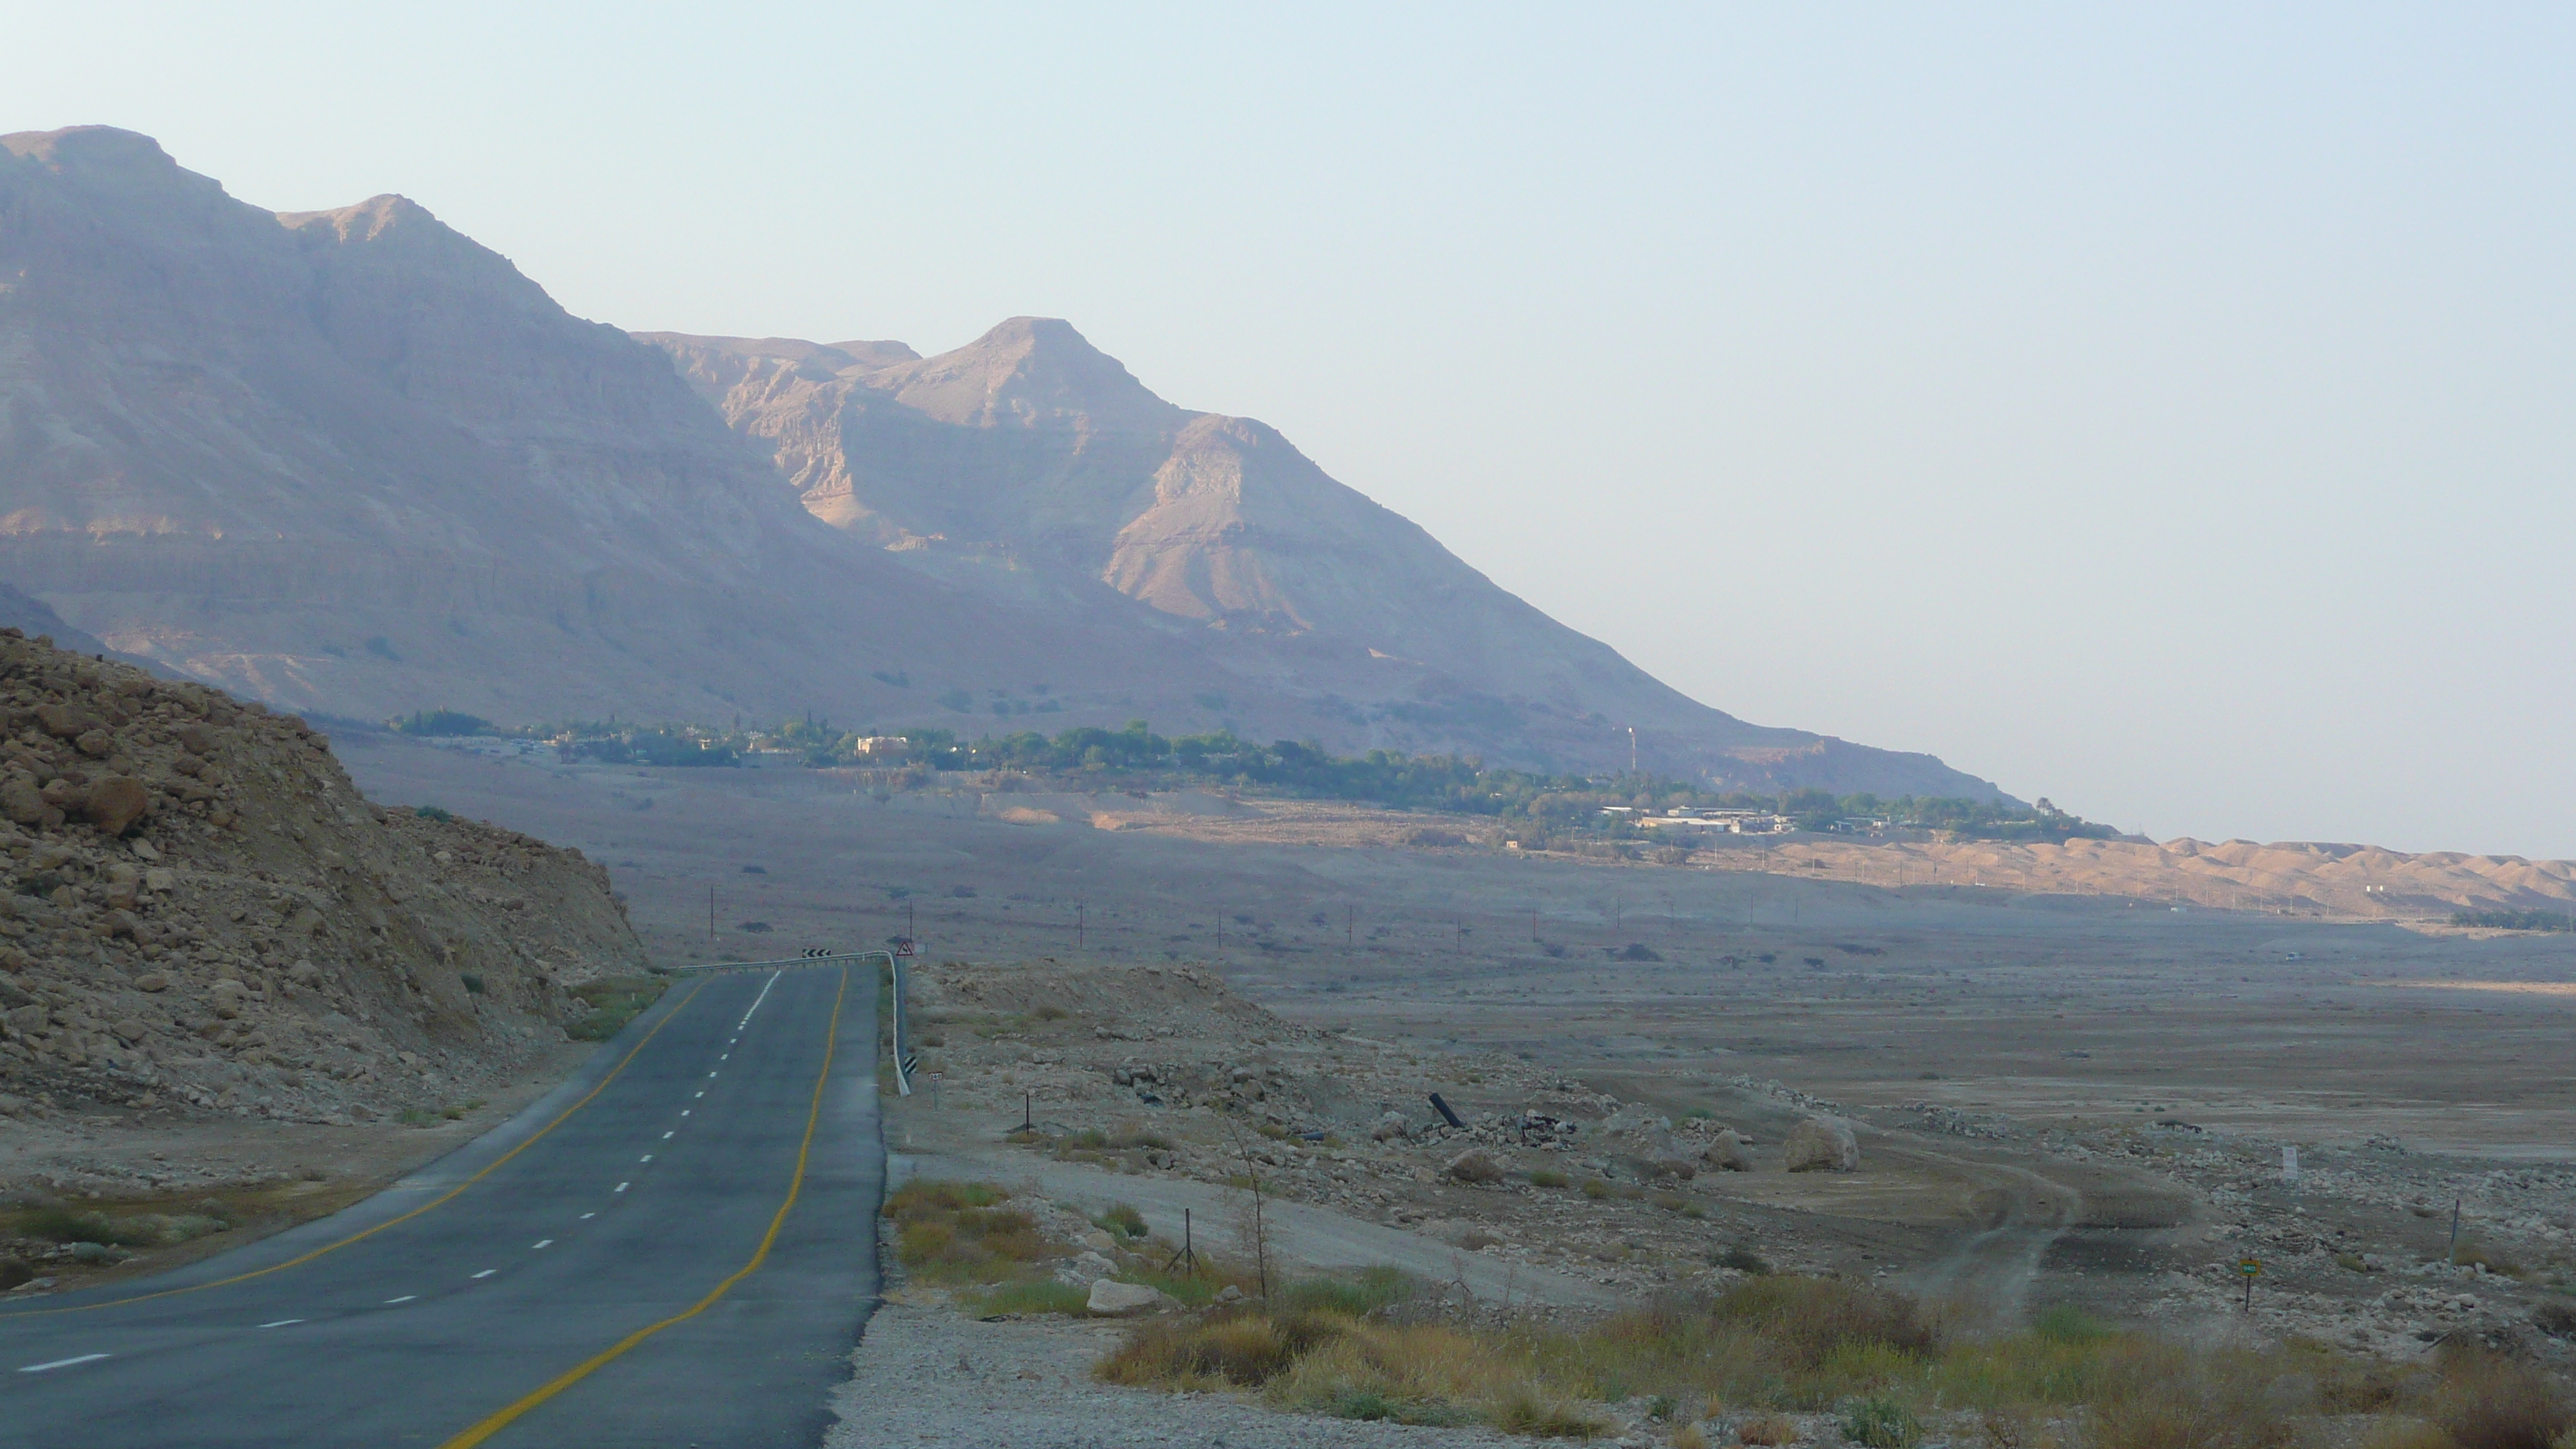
x: 199, y: 911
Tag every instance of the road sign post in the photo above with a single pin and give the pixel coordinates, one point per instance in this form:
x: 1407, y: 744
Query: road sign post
x: 2249, y: 1269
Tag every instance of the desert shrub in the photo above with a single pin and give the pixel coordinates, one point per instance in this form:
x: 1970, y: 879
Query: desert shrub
x: 1355, y: 1296
x: 1767, y: 1430
x: 613, y: 1002
x: 1525, y: 1411
x: 2066, y: 1323
x: 1049, y: 1012
x: 1880, y: 1423
x: 1122, y: 1220
x: 1743, y: 1259
x: 958, y: 1232
x: 2555, y: 1317
x: 1595, y: 1189
x: 1548, y: 1177
x: 2488, y: 1402
x: 1805, y: 1320
x: 1245, y: 1349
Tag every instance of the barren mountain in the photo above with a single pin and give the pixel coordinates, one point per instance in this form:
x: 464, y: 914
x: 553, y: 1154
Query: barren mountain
x: 351, y: 461
x: 1029, y: 463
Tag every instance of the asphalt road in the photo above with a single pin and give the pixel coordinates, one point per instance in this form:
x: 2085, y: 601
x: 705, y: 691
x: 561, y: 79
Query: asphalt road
x: 708, y: 1159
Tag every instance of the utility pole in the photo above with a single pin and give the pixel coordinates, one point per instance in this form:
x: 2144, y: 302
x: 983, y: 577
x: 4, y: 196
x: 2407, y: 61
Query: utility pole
x: 711, y: 915
x: 1220, y: 933
x: 1081, y: 923
x: 1351, y: 926
x: 907, y: 924
x: 1632, y: 749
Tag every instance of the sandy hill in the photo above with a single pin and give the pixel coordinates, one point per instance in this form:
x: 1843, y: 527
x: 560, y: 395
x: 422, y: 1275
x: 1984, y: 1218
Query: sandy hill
x: 351, y: 461
x: 201, y: 913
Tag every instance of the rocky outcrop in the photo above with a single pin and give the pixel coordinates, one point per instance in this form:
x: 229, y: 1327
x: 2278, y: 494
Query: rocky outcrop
x: 198, y: 911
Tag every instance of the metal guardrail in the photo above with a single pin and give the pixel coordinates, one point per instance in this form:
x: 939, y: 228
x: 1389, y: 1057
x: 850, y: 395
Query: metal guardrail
x: 894, y: 965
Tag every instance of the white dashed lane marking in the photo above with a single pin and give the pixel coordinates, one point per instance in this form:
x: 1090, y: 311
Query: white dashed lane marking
x: 666, y: 1136
x: 621, y: 1187
x: 543, y: 1243
x: 406, y: 1298
x: 488, y: 1272
x: 648, y: 1157
x: 283, y: 1323
x: 586, y: 1217
x: 38, y: 1368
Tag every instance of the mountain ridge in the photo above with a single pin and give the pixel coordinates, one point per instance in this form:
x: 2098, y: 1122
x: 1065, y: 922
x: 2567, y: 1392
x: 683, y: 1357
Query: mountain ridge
x: 352, y: 460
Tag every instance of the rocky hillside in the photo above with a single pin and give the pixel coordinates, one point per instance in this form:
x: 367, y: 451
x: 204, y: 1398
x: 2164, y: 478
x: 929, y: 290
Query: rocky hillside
x: 203, y: 914
x: 353, y: 462
x: 1028, y: 463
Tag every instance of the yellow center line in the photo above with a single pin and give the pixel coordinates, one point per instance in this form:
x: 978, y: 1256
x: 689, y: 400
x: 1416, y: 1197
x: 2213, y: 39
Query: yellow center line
x: 442, y: 1200
x: 795, y: 1185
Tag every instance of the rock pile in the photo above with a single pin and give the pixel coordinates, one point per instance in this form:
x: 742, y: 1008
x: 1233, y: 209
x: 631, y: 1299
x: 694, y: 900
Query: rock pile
x: 198, y: 911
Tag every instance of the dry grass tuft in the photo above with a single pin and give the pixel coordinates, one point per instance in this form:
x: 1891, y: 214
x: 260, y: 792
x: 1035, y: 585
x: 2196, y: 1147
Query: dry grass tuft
x: 958, y: 1232
x: 1769, y: 1430
x: 2487, y: 1402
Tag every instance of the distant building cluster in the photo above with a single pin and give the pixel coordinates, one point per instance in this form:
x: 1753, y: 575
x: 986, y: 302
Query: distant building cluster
x: 1684, y: 821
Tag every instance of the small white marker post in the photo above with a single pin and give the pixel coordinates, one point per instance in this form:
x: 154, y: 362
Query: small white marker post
x: 934, y: 1091
x: 2289, y: 1163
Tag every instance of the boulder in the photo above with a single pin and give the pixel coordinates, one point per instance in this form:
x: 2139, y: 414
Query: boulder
x: 95, y: 743
x: 1727, y: 1152
x: 22, y: 801
x: 1636, y: 1118
x: 129, y: 1030
x: 1820, y: 1145
x: 1474, y: 1165
x: 116, y: 804
x: 1392, y: 1125
x: 1665, y: 1158
x: 64, y: 722
x: 1109, y: 1296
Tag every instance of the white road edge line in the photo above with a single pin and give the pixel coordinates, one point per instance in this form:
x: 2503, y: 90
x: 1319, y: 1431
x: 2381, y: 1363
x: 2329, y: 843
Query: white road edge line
x: 37, y: 1368
x: 283, y: 1323
x: 406, y: 1298
x: 763, y: 996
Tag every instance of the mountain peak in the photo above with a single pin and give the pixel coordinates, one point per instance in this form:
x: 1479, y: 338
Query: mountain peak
x: 1028, y: 372
x: 90, y: 148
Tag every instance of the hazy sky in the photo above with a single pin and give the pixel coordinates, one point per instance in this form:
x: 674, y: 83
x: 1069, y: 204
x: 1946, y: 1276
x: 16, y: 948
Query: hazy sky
x: 2166, y: 409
